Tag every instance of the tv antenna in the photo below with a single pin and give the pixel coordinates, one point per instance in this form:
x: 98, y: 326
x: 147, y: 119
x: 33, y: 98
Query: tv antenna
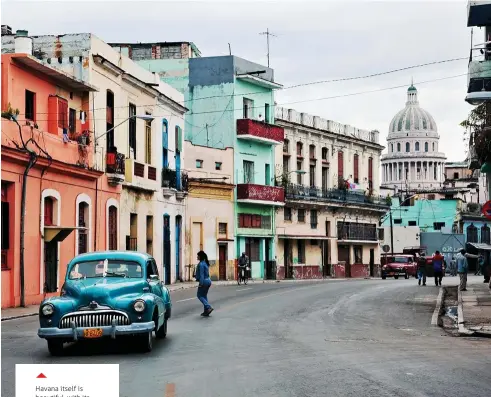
x: 268, y: 33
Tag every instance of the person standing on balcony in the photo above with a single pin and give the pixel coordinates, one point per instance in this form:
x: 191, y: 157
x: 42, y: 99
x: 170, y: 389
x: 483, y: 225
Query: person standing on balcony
x: 203, y: 278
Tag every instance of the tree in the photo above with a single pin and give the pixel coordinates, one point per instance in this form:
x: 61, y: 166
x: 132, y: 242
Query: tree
x: 478, y: 124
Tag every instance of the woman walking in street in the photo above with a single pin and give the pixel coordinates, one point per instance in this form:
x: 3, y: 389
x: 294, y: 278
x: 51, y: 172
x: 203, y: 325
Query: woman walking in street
x: 203, y: 278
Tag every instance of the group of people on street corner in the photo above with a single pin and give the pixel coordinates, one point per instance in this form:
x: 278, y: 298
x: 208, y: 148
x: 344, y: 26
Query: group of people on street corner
x: 438, y: 268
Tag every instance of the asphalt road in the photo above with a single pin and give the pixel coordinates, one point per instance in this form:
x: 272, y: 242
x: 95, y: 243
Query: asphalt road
x: 334, y: 338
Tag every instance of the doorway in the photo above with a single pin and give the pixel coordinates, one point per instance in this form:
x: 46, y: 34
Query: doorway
x: 178, y: 246
x: 287, y: 255
x: 268, y: 263
x: 372, y: 261
x: 326, y: 267
x: 50, y: 267
x: 222, y: 261
x: 167, y: 272
x: 343, y: 256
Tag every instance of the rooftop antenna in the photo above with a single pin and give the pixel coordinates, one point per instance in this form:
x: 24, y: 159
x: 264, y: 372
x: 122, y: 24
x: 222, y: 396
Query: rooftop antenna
x: 267, y: 33
x: 229, y: 49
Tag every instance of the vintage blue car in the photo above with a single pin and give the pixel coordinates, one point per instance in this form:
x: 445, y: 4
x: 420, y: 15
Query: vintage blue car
x: 107, y: 294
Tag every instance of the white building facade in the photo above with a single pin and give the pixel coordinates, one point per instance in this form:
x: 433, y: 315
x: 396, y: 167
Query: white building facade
x: 325, y: 228
x: 137, y: 125
x: 413, y: 161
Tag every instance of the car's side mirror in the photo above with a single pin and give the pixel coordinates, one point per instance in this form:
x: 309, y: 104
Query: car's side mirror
x: 153, y: 277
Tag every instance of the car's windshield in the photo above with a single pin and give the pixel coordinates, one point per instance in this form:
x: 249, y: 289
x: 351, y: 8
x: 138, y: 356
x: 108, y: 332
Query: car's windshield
x: 115, y: 268
x: 400, y: 259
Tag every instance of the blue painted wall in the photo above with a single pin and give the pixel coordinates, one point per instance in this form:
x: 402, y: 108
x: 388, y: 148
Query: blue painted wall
x: 425, y: 213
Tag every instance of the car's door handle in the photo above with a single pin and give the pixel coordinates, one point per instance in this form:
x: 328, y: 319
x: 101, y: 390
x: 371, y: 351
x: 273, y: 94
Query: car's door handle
x: 146, y: 289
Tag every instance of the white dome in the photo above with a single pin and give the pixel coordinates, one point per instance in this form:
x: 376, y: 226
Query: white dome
x: 412, y: 118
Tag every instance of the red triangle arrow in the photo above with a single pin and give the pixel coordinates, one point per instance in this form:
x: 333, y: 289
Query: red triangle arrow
x: 41, y: 375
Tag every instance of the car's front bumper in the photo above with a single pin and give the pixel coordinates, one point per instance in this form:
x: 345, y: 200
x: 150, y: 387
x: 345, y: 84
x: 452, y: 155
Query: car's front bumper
x: 112, y: 331
x: 392, y: 273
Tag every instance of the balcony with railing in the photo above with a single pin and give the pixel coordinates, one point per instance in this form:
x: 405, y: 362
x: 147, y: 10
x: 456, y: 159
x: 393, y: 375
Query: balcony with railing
x: 353, y: 231
x: 174, y: 182
x: 341, y: 196
x: 115, y: 168
x: 259, y: 131
x: 260, y: 194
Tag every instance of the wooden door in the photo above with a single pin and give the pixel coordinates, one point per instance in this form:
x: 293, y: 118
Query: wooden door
x: 222, y: 262
x: 50, y: 267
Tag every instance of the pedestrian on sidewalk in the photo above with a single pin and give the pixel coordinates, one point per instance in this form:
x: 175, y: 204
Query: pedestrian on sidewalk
x: 421, y: 270
x: 480, y: 266
x: 203, y: 278
x: 438, y: 267
x: 462, y: 268
x: 453, y: 266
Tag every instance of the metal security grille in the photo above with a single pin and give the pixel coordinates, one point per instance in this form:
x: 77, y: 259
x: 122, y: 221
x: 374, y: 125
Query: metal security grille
x: 97, y: 319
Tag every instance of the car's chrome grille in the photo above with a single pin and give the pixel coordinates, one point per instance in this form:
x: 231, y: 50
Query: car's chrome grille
x: 94, y: 319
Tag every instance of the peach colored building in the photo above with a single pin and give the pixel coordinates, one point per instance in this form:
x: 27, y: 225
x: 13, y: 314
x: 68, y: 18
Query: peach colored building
x: 70, y: 207
x: 210, y: 209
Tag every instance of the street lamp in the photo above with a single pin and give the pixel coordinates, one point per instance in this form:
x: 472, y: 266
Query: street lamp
x: 145, y: 117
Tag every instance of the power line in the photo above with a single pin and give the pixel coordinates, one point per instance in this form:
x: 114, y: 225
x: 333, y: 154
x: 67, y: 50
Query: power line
x: 307, y: 83
x: 305, y: 100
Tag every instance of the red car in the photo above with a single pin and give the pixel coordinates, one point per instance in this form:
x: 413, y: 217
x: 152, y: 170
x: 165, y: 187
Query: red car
x: 398, y: 265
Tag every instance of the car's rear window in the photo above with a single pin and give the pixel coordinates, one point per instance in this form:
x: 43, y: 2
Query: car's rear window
x: 115, y: 268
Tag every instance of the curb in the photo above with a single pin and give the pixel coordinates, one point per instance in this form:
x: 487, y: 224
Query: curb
x: 19, y: 316
x: 463, y: 331
x: 435, y: 319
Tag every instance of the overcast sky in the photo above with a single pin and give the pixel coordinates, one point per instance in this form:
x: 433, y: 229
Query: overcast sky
x: 315, y: 41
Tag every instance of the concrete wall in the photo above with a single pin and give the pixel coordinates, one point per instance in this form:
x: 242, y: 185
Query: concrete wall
x: 447, y: 243
x: 424, y: 212
x: 404, y: 236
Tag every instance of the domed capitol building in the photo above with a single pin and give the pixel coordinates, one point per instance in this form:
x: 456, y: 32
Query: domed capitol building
x: 412, y: 161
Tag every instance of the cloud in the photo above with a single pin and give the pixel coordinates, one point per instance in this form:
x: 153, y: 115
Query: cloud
x: 315, y: 41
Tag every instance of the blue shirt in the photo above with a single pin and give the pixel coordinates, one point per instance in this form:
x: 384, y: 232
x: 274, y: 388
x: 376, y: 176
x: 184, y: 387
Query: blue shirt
x: 462, y: 265
x: 203, y: 274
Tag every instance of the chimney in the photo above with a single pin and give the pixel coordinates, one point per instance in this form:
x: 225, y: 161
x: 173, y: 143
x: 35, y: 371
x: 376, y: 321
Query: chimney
x: 6, y: 30
x: 23, y: 43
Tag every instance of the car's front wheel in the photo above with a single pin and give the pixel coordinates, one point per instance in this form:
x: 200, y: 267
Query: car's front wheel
x: 161, y: 333
x: 384, y: 277
x: 146, y: 342
x: 396, y: 277
x: 55, y: 347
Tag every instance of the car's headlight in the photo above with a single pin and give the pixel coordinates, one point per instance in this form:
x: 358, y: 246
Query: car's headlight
x: 139, y: 306
x: 48, y: 309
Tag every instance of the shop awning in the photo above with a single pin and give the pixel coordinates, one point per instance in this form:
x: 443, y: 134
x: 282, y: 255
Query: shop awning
x: 481, y: 246
x: 55, y: 234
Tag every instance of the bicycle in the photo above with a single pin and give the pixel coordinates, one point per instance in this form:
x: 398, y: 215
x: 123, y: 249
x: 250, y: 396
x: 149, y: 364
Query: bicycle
x: 242, y: 276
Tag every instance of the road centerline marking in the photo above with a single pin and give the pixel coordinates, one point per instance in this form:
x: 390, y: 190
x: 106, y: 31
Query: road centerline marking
x: 184, y: 300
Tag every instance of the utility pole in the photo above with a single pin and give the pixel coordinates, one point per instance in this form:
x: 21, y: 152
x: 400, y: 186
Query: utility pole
x: 207, y: 136
x: 267, y: 33
x: 391, y: 234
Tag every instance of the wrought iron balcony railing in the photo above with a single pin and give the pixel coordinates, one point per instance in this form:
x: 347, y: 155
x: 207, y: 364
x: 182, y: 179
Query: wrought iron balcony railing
x: 300, y: 192
x: 175, y: 180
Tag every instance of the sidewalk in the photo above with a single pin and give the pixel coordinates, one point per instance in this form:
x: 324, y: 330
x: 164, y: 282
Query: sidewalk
x: 19, y: 312
x: 474, y: 309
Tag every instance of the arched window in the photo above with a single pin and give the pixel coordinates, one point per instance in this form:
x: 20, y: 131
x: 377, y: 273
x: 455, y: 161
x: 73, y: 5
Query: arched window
x: 398, y: 147
x: 433, y: 146
x: 416, y: 146
x: 392, y: 147
x: 485, y: 235
x: 50, y: 210
x: 408, y: 147
x: 325, y: 154
x: 472, y: 234
x: 426, y: 146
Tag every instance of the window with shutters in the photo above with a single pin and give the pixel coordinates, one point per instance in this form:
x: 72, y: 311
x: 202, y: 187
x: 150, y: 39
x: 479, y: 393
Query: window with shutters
x: 222, y: 229
x: 301, y: 215
x: 472, y: 234
x: 48, y: 211
x: 312, y: 152
x: 355, y: 166
x: 253, y: 249
x: 286, y: 144
x: 113, y: 228
x: 340, y: 165
x: 132, y: 128
x: 248, y: 171
x: 313, y: 219
x: 324, y: 154
x: 287, y: 214
x: 62, y: 113
x: 485, y: 235
x: 254, y: 221
x: 299, y: 149
x: 370, y: 173
x: 248, y: 108
x: 299, y: 174
x: 325, y: 178
x: 301, y: 251
x: 148, y: 141
x: 30, y: 105
x: 72, y: 120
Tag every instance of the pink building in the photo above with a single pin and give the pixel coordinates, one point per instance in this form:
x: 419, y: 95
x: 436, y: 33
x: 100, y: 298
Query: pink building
x: 70, y: 208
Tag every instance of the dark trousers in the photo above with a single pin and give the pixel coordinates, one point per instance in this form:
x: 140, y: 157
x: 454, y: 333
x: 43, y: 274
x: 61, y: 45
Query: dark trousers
x: 438, y: 277
x: 203, y: 296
